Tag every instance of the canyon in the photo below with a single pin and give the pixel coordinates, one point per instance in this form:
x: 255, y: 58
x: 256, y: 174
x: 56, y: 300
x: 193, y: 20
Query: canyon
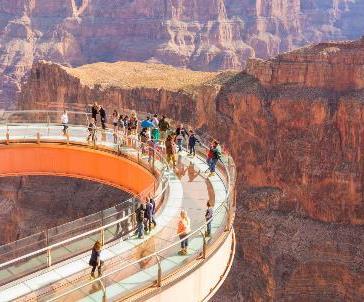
x: 52, y: 200
x: 293, y: 124
x: 197, y: 34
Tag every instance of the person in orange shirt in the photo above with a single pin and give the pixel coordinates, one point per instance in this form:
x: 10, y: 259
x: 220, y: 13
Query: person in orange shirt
x: 184, y: 228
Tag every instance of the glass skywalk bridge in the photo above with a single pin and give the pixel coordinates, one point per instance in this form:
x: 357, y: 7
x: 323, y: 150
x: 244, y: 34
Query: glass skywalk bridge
x: 44, y: 269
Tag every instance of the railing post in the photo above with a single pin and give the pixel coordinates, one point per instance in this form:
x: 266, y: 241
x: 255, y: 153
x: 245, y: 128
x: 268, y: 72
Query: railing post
x: 204, y: 245
x: 159, y: 277
x: 49, y: 255
x: 38, y: 138
x: 7, y: 137
x: 102, y: 235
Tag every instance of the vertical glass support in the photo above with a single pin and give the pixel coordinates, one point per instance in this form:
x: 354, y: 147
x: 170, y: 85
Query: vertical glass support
x: 159, y: 277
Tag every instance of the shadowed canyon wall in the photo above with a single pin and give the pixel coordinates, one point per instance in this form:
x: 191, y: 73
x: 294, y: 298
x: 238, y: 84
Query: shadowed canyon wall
x: 198, y: 34
x: 31, y: 204
x: 298, y: 146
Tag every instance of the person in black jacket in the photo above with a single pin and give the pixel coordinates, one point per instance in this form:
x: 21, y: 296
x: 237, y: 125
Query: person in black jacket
x: 140, y: 215
x: 103, y: 117
x: 95, y: 260
x: 192, y: 140
x: 95, y: 111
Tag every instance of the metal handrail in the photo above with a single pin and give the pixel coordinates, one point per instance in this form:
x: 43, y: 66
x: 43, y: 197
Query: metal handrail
x: 224, y: 206
x: 144, y: 192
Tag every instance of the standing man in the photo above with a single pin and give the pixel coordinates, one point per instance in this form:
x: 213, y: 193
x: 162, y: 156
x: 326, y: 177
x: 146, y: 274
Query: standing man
x: 64, y: 121
x: 95, y: 112
x: 214, y: 156
x: 140, y: 214
x: 103, y: 117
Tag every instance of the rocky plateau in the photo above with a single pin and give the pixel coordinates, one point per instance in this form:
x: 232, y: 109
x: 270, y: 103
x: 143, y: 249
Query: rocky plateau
x: 294, y: 127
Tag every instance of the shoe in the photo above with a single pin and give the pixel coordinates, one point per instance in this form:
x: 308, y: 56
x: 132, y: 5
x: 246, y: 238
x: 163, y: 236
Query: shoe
x: 212, y: 174
x: 142, y: 237
x: 181, y: 252
x: 92, y: 276
x: 207, y: 234
x: 184, y: 252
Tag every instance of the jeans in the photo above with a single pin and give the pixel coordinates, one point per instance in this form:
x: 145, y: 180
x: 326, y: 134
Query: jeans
x: 212, y: 164
x: 140, y: 229
x: 65, y: 126
x: 209, y: 228
x: 184, y: 243
x: 98, y: 268
x: 192, y: 149
x: 179, y: 145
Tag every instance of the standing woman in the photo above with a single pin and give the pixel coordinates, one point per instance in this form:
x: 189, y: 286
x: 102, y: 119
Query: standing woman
x: 95, y: 112
x: 184, y: 228
x: 64, y: 121
x: 95, y: 260
x: 115, y: 120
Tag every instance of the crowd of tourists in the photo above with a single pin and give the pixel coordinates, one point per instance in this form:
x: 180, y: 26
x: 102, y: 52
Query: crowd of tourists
x: 154, y: 132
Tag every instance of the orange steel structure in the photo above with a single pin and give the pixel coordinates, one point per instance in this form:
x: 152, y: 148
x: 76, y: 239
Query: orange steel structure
x: 74, y: 161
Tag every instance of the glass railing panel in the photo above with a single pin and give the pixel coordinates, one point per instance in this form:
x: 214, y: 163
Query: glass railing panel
x: 74, y: 248
x: 22, y: 268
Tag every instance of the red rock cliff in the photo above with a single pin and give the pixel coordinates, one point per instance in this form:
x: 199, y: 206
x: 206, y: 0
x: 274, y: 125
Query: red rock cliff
x: 299, y: 153
x: 198, y: 34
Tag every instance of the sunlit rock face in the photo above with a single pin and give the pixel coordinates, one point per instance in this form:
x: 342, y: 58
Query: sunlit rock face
x: 197, y: 34
x: 31, y: 204
x: 298, y: 146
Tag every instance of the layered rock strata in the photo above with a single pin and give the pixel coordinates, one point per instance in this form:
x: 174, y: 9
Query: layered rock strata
x: 299, y: 153
x: 198, y: 34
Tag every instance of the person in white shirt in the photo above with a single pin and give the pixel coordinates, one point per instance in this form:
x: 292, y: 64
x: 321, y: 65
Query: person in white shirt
x: 64, y: 121
x: 155, y: 120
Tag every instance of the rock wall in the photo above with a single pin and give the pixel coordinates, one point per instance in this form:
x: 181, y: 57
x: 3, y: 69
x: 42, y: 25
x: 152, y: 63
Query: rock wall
x: 52, y: 200
x: 198, y: 34
x: 299, y: 154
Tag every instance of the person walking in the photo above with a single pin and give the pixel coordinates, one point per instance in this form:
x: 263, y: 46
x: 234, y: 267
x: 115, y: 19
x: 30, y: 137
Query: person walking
x: 102, y: 117
x: 213, y: 156
x: 171, y: 151
x: 184, y: 228
x: 208, y: 215
x: 140, y: 215
x: 92, y: 131
x: 95, y: 259
x: 64, y: 121
x: 95, y: 112
x: 148, y: 216
x: 192, y: 140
